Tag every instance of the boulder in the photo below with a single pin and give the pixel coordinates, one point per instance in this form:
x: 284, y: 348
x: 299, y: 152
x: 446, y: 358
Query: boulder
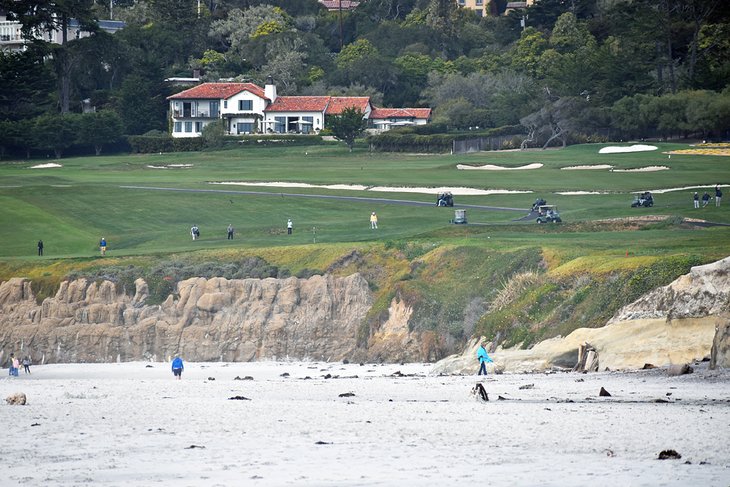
x: 720, y: 353
x: 17, y: 399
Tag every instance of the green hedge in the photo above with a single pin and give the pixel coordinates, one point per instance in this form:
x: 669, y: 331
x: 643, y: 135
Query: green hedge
x: 146, y: 144
x: 278, y: 139
x: 409, y: 139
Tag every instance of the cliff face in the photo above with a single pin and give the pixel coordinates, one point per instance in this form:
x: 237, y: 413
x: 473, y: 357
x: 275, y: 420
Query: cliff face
x: 206, y: 320
x: 678, y: 323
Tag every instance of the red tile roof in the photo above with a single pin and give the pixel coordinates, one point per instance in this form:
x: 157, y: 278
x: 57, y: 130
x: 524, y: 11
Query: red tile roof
x: 299, y: 104
x: 384, y: 113
x: 218, y: 91
x: 339, y: 103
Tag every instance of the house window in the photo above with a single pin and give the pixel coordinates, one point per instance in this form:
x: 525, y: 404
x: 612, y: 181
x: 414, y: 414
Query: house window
x: 198, y: 127
x: 225, y: 103
x: 280, y: 125
x: 245, y: 105
x: 480, y: 3
x: 461, y: 2
x: 177, y: 127
x: 214, y: 109
x: 307, y: 124
x: 245, y: 128
x: 188, y: 126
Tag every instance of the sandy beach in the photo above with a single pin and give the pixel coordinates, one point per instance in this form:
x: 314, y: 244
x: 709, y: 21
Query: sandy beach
x: 133, y: 424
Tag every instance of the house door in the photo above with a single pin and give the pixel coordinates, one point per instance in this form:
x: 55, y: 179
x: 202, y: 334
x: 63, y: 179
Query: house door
x: 187, y: 109
x: 214, y: 109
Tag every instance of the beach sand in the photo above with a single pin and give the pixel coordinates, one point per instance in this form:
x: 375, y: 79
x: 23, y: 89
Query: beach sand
x: 130, y: 424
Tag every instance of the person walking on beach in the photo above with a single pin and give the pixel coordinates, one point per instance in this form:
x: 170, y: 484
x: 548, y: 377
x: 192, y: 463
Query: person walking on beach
x: 705, y: 199
x: 230, y: 231
x: 102, y: 246
x: 195, y: 232
x: 26, y: 364
x: 40, y: 247
x: 177, y: 367
x: 718, y: 195
x: 289, y: 226
x: 483, y: 359
x: 373, y: 221
x: 696, y: 199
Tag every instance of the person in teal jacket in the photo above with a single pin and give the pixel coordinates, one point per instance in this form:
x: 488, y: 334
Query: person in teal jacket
x: 483, y: 359
x: 177, y: 367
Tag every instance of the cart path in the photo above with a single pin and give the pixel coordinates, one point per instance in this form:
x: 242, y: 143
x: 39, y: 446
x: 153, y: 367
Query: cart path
x: 321, y: 196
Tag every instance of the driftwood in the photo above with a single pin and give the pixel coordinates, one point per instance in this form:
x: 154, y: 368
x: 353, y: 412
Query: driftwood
x: 587, y: 359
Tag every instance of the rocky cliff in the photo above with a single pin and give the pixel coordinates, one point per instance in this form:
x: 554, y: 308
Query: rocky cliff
x: 683, y: 321
x: 205, y: 320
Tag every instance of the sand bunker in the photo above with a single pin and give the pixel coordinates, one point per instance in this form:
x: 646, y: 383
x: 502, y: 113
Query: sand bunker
x: 587, y: 167
x: 459, y: 191
x: 702, y: 152
x: 643, y: 169
x: 493, y: 167
x: 579, y: 193
x: 46, y: 166
x: 170, y: 166
x: 706, y: 187
x: 631, y: 148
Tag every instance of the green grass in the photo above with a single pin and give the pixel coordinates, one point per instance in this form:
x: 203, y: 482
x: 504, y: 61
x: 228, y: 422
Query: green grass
x: 71, y: 207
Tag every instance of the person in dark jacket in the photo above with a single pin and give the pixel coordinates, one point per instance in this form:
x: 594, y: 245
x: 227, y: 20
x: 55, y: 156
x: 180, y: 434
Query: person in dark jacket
x: 40, y: 247
x: 177, y: 367
x: 705, y: 199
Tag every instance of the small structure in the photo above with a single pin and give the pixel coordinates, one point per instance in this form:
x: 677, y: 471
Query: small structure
x: 460, y: 217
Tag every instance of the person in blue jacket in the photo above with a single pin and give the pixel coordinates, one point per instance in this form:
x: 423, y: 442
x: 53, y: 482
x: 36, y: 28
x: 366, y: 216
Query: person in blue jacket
x: 177, y: 367
x: 483, y: 359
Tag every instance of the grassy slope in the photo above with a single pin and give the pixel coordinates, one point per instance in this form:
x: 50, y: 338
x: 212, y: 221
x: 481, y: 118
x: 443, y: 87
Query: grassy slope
x: 448, y: 271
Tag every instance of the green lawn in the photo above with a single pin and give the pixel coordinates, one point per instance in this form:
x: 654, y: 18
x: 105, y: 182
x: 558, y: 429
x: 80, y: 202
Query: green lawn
x: 71, y: 207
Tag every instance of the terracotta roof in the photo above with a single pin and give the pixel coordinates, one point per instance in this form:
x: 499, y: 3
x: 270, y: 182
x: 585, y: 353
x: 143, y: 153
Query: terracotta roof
x: 339, y: 103
x: 218, y: 91
x: 299, y: 104
x: 383, y: 113
x: 335, y: 4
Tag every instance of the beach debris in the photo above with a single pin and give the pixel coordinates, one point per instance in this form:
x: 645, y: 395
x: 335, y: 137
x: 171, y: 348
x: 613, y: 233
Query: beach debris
x: 322, y: 443
x: 587, y: 359
x: 604, y: 393
x: 527, y: 386
x: 609, y: 452
x: 285, y: 374
x: 661, y: 401
x: 239, y: 398
x: 679, y: 369
x: 500, y: 398
x: 35, y: 424
x: 193, y: 447
x: 148, y: 366
x: 248, y: 377
x: 211, y: 378
x: 479, y: 391
x: 347, y: 394
x: 648, y: 367
x: 669, y: 455
x: 17, y: 399
x: 327, y: 376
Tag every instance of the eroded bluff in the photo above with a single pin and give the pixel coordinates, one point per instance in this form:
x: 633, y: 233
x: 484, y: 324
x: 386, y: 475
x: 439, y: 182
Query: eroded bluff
x: 205, y: 320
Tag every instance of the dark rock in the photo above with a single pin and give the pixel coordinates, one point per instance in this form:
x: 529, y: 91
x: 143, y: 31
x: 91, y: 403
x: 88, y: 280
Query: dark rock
x: 285, y: 374
x: 345, y: 361
x: 328, y: 376
x: 238, y: 398
x: 580, y: 380
x: 211, y: 378
x: 36, y: 424
x: 669, y: 455
x: 660, y: 401
x: 347, y: 394
x: 679, y: 369
x: 604, y: 393
x: 248, y: 377
x: 500, y: 398
x: 480, y: 392
x: 148, y: 367
x: 648, y: 366
x: 192, y: 447
x: 322, y: 443
x: 527, y: 386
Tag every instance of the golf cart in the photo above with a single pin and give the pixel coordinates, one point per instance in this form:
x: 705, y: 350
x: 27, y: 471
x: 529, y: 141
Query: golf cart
x: 445, y: 199
x: 548, y: 214
x: 538, y: 203
x: 644, y: 199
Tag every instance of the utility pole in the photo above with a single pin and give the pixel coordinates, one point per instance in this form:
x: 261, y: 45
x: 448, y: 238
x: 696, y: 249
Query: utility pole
x: 342, y: 41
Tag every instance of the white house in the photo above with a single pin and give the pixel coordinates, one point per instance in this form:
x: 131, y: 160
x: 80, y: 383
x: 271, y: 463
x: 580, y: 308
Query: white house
x: 247, y: 108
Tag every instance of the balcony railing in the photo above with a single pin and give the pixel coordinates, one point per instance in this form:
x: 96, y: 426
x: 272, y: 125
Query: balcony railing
x: 198, y: 114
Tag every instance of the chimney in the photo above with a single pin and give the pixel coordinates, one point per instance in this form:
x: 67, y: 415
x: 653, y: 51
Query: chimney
x: 196, y: 73
x: 270, y: 89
